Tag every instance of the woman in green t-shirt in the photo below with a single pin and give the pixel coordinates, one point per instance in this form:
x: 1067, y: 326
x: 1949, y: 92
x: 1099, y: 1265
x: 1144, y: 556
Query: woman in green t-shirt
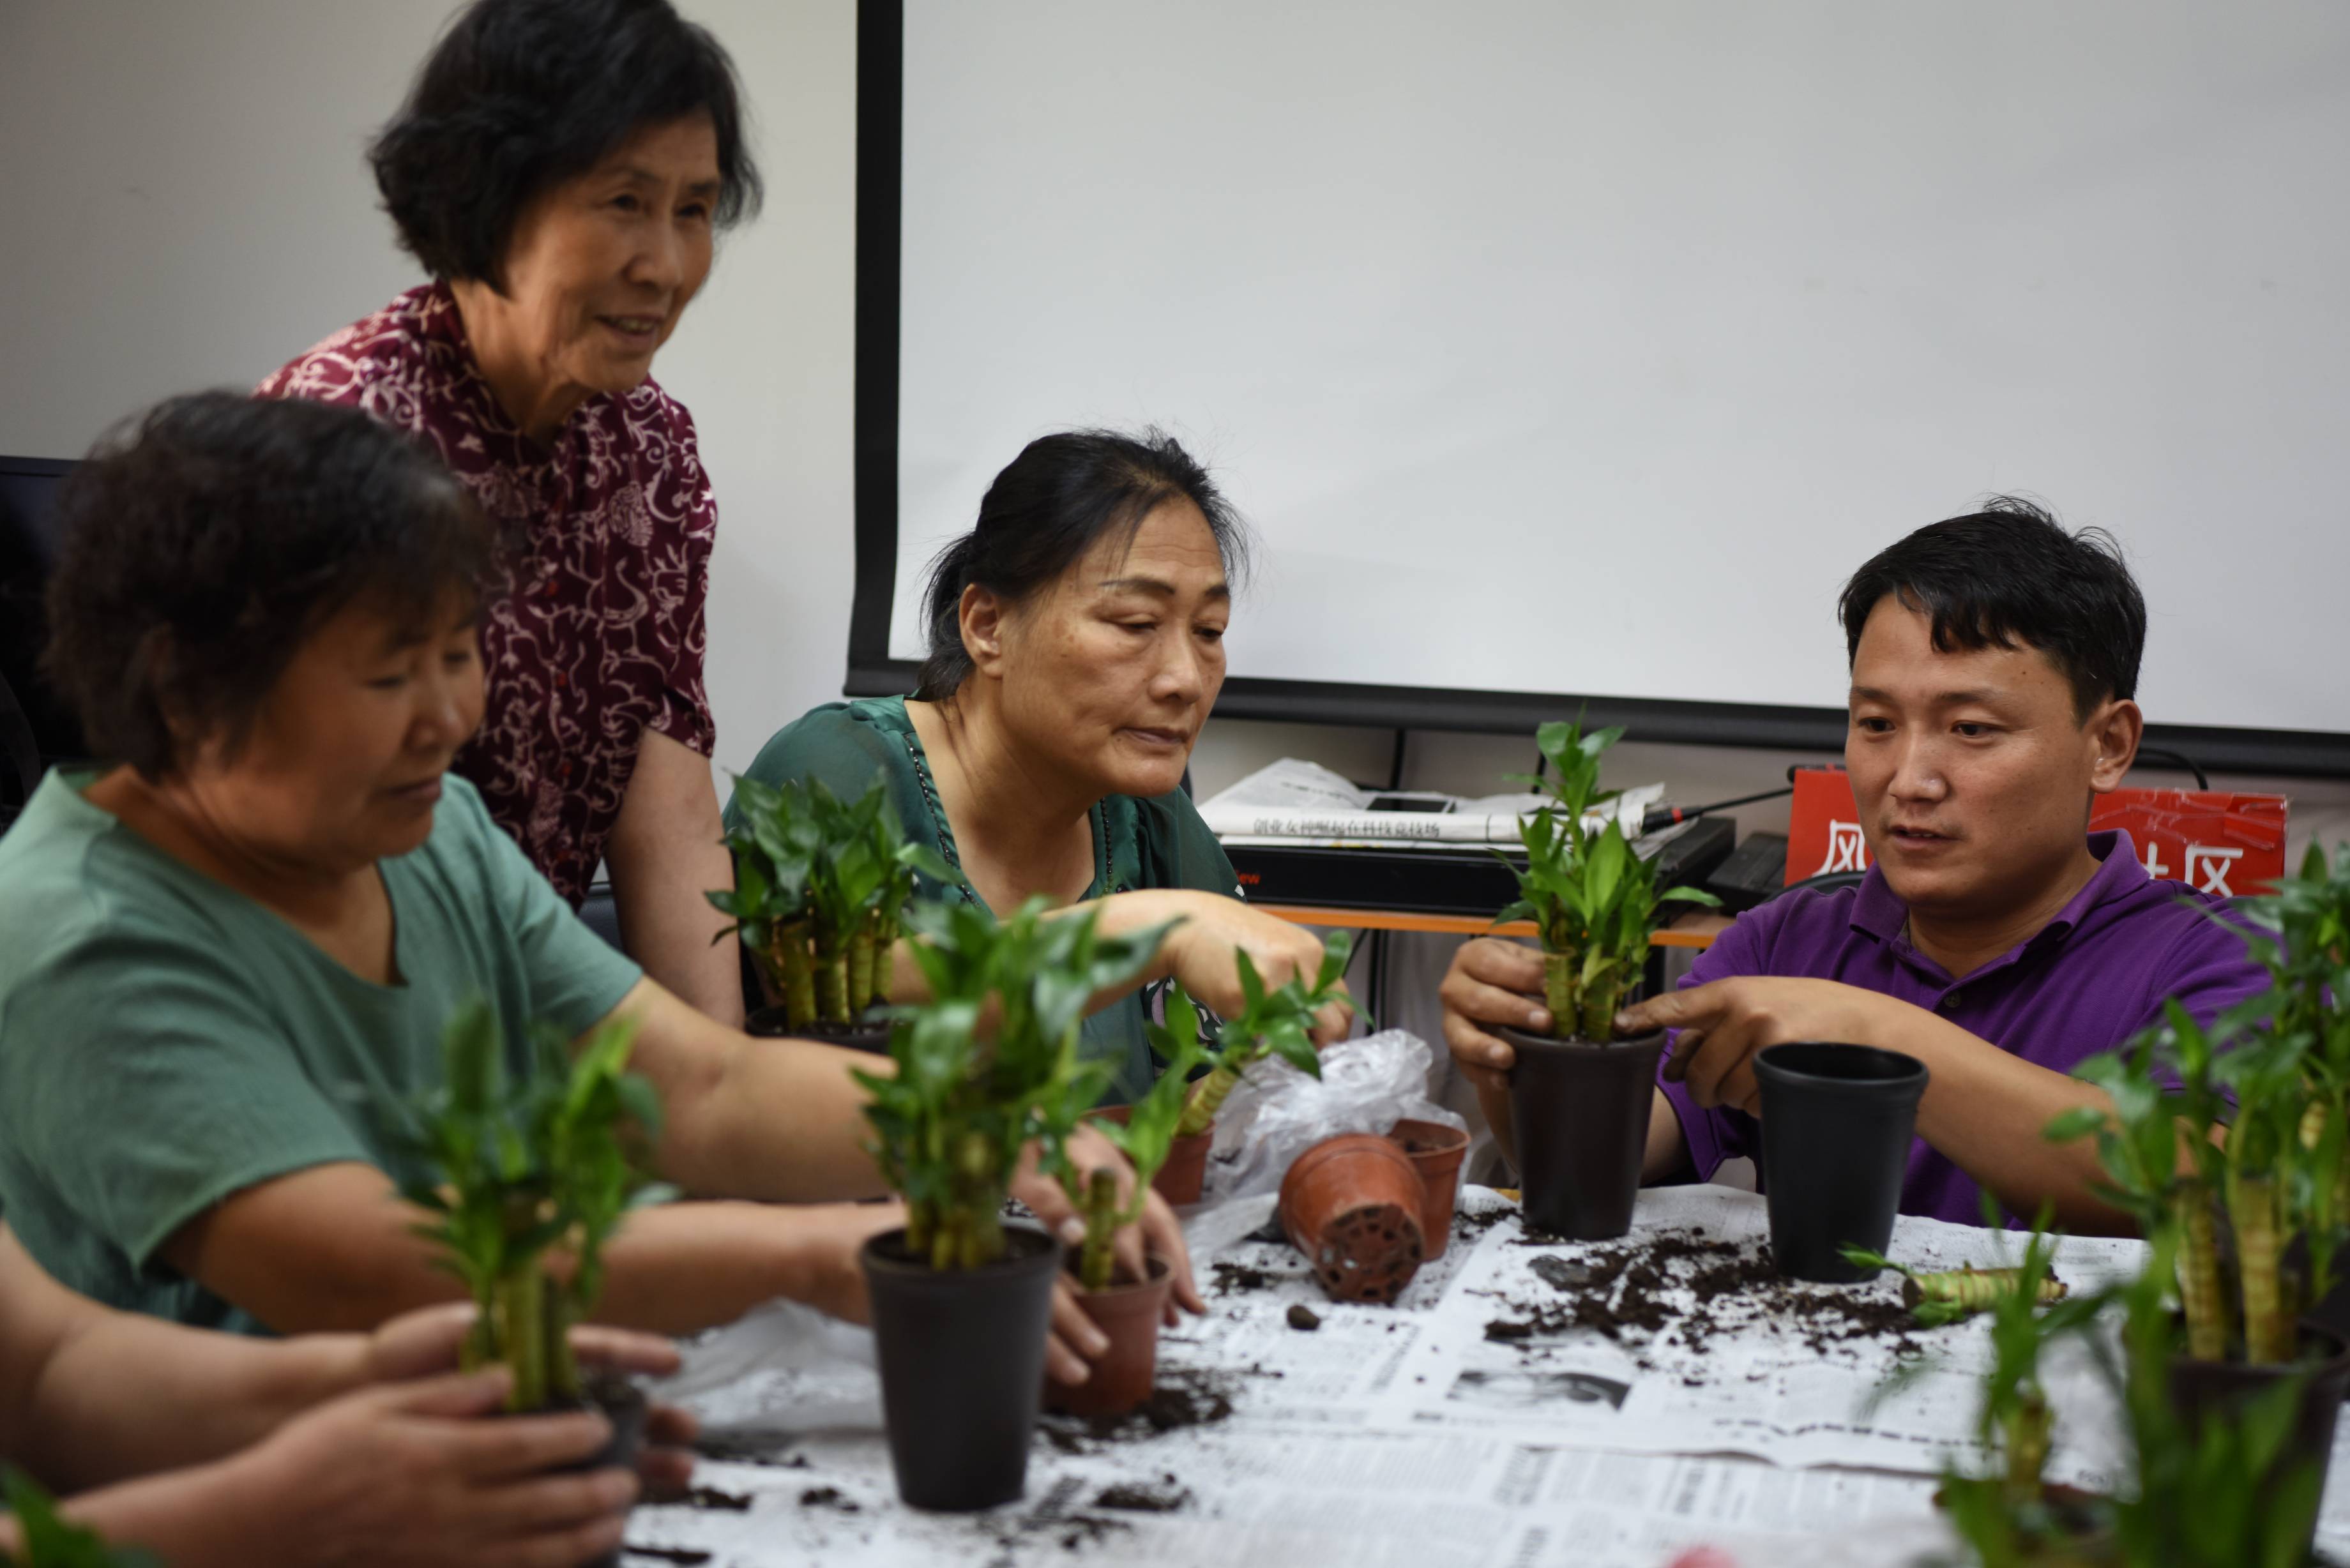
x: 1076, y: 648
x: 255, y: 921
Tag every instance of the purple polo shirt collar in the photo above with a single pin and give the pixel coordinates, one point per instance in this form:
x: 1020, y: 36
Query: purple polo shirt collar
x: 2085, y: 982
x: 1877, y: 913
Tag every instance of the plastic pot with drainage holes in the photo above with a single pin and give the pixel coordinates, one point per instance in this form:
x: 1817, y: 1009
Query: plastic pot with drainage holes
x: 1435, y: 1151
x: 1352, y: 1204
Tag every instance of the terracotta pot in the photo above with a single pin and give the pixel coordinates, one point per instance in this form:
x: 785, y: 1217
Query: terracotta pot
x: 1178, y: 1180
x: 772, y: 1023
x: 2218, y: 1390
x: 963, y: 1366
x: 1352, y: 1205
x: 1435, y: 1151
x: 1837, y: 1125
x: 1129, y: 1314
x: 1579, y: 1118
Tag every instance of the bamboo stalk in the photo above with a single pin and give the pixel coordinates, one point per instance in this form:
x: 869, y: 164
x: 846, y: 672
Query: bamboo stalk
x: 832, y: 987
x: 1599, y: 1011
x: 1974, y: 1289
x: 2029, y: 1435
x: 522, y: 1307
x: 860, y: 968
x: 2199, y: 1275
x: 2268, y: 1328
x: 562, y: 1367
x: 1559, y: 991
x: 797, y: 977
x: 1101, y: 1224
x: 1204, y: 1099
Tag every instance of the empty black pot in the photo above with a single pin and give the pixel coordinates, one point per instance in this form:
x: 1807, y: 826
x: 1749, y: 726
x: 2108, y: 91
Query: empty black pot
x: 963, y: 1366
x: 2218, y: 1390
x: 1837, y: 1123
x: 1579, y: 1118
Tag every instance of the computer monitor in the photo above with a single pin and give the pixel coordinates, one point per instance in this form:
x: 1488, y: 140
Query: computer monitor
x: 36, y: 725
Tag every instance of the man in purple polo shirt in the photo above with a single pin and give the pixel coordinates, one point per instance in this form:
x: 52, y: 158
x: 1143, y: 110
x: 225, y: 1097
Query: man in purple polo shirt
x: 1993, y: 661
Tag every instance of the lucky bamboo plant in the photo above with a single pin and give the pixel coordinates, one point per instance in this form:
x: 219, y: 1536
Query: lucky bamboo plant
x: 820, y: 891
x: 50, y: 1542
x: 1144, y: 1138
x: 514, y: 1166
x: 1276, y: 1021
x: 2029, y: 1310
x: 2199, y: 1126
x: 1590, y: 895
x: 2201, y: 1494
x: 983, y: 1066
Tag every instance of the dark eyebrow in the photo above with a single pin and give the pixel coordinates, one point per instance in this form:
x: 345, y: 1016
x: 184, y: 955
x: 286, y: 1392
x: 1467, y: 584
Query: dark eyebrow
x: 634, y: 175
x: 1942, y: 699
x: 1154, y: 586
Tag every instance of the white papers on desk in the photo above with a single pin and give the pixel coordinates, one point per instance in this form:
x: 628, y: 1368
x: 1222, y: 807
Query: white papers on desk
x: 1298, y: 802
x: 1406, y: 1436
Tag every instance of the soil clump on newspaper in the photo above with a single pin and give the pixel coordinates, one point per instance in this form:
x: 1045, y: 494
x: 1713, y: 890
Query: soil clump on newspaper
x: 1139, y: 1497
x: 1230, y: 1277
x: 1686, y: 1287
x: 1185, y: 1397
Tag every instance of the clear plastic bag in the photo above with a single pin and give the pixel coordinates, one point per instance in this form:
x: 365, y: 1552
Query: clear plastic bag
x: 1278, y: 1113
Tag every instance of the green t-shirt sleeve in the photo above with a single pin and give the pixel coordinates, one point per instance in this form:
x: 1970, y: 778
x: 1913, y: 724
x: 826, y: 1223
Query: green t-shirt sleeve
x: 575, y: 977
x: 1178, y: 850
x: 145, y: 1082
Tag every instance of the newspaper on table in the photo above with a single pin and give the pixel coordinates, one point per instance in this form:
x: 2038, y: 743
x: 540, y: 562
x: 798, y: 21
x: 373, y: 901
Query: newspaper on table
x: 1298, y: 802
x: 1524, y: 1402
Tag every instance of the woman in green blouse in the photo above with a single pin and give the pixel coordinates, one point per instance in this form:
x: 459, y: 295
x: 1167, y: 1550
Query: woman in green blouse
x: 1076, y: 648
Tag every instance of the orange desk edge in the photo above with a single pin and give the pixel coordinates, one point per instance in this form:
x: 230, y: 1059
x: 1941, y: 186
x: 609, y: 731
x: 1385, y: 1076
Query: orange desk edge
x: 1689, y: 931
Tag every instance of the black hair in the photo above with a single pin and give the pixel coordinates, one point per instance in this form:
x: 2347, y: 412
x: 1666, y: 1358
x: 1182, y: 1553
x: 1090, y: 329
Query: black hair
x: 204, y: 542
x: 1061, y: 496
x: 2010, y: 574
x: 520, y: 95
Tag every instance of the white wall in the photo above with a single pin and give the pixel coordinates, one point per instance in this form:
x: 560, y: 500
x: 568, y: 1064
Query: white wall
x: 182, y: 204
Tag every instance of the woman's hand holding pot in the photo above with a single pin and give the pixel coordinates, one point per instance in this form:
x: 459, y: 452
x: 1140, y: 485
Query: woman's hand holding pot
x: 428, y: 1341
x: 1155, y: 1234
x: 426, y: 1473
x: 1491, y: 982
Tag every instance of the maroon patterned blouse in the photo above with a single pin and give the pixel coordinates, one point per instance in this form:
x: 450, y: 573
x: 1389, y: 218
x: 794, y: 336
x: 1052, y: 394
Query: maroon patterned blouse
x: 598, y: 632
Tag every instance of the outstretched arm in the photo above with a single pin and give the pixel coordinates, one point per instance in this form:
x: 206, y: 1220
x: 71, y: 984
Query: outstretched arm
x: 1983, y: 1108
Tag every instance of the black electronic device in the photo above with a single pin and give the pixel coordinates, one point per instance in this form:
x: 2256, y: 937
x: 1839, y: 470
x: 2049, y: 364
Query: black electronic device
x: 1751, y: 874
x: 37, y: 729
x: 1411, y: 800
x: 1462, y: 880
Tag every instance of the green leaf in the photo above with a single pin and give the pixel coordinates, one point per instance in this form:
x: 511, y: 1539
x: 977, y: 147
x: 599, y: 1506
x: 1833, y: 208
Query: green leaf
x: 2080, y: 1121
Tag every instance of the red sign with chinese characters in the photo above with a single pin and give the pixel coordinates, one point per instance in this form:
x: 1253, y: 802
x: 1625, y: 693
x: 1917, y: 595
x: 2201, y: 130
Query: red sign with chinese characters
x: 2216, y: 841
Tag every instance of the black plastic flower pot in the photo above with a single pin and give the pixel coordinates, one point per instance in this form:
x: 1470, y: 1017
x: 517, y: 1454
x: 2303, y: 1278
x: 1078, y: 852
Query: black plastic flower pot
x: 774, y: 1023
x: 1579, y: 1119
x: 963, y: 1367
x: 624, y: 1405
x: 2204, y: 1391
x: 1837, y: 1124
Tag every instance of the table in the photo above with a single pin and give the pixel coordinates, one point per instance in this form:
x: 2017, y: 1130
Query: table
x: 1418, y: 1434
x: 1695, y: 929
